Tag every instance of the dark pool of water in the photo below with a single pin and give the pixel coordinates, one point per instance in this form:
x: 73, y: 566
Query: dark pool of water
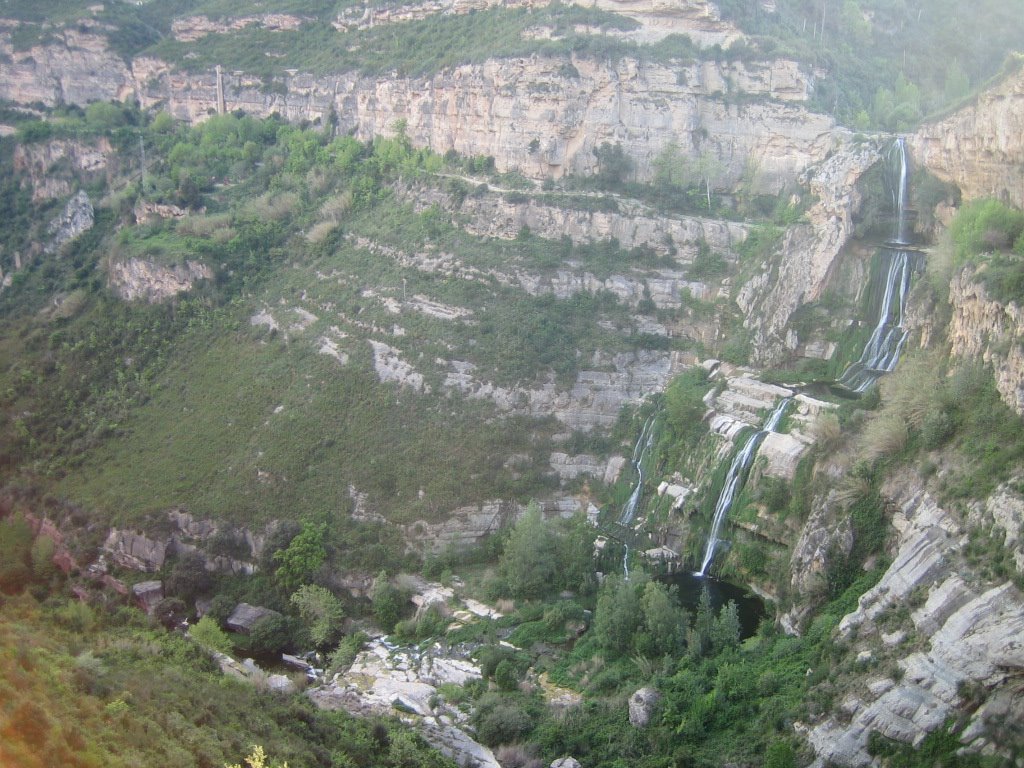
x: 751, y: 608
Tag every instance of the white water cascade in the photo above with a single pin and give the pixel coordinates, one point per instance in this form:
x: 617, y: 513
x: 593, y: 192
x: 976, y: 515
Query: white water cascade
x: 640, y: 451
x: 882, y: 351
x: 735, y: 478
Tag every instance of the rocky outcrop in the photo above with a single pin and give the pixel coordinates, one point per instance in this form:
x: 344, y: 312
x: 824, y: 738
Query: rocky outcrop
x: 53, y: 167
x: 632, y: 225
x: 192, y: 28
x: 498, y: 108
x: 78, y: 217
x: 76, y: 67
x: 402, y: 682
x: 981, y: 147
x: 147, y: 594
x: 963, y: 634
x: 138, y: 551
x: 988, y: 330
x: 135, y: 551
x: 808, y: 255
x: 141, y: 280
x: 246, y: 616
x: 642, y: 705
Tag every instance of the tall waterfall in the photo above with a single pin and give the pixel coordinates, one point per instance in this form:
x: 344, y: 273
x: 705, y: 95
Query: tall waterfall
x: 735, y: 478
x: 640, y: 451
x: 901, y: 180
x: 882, y: 351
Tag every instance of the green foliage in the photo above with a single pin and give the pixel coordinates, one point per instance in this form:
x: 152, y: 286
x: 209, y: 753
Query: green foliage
x: 501, y: 719
x: 128, y: 695
x: 321, y: 611
x: 271, y: 635
x: 684, y: 405
x: 983, y: 226
x: 207, y: 633
x: 15, y: 554
x: 542, y: 558
x: 300, y: 562
x: 387, y: 601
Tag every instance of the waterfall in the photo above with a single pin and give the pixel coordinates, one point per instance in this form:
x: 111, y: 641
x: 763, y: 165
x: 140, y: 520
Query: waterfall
x: 735, y: 478
x: 882, y: 351
x: 640, y: 451
x: 898, y: 156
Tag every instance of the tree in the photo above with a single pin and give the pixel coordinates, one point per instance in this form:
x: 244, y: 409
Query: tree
x: 270, y: 635
x: 302, y: 559
x: 208, y: 634
x: 321, y: 611
x: 530, y: 564
x: 664, y: 619
x: 613, y: 164
x: 257, y: 759
x: 15, y: 554
x: 188, y: 578
x: 618, y: 615
x: 386, y: 601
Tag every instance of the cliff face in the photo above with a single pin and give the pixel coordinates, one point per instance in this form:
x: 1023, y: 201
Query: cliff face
x: 499, y: 107
x: 76, y: 68
x: 981, y: 147
x: 747, y: 115
x: 808, y: 255
x: 934, y: 639
x: 991, y: 331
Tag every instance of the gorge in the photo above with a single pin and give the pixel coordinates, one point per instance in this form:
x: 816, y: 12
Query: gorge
x: 448, y: 337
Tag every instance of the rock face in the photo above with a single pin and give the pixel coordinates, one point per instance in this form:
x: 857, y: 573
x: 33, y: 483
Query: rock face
x: 981, y: 147
x: 495, y: 214
x: 52, y: 166
x: 389, y: 680
x: 498, y: 108
x: 147, y: 594
x: 962, y: 634
x: 987, y: 330
x: 246, y: 616
x: 642, y: 705
x: 76, y: 68
x: 78, y: 217
x: 141, y: 280
x: 810, y: 253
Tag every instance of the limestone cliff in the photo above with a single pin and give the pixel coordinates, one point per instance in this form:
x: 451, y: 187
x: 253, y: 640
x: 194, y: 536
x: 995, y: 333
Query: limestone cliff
x: 981, y: 147
x: 499, y: 107
x: 151, y: 282
x: 748, y: 115
x: 808, y: 255
x: 933, y: 640
x: 991, y: 331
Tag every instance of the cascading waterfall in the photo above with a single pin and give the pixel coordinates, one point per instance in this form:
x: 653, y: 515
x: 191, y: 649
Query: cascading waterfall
x: 898, y: 156
x: 735, y: 478
x: 640, y: 451
x: 882, y: 351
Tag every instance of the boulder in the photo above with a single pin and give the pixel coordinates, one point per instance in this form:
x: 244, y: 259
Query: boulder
x: 566, y: 762
x: 245, y: 616
x: 147, y: 594
x: 642, y: 705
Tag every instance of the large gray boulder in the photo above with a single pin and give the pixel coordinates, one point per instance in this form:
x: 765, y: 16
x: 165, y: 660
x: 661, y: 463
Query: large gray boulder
x: 566, y: 762
x: 642, y: 705
x: 245, y: 616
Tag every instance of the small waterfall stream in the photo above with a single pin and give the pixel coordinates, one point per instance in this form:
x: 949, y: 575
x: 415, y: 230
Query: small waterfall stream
x: 734, y: 480
x: 640, y: 450
x: 882, y: 350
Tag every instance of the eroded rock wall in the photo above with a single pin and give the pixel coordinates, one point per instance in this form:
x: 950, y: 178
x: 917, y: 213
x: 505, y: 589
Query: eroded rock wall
x: 980, y: 148
x: 990, y: 331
